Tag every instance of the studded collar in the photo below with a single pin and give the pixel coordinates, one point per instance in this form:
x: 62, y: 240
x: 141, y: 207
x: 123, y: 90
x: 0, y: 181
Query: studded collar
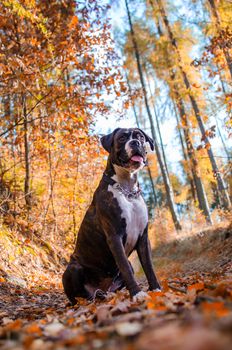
x: 135, y: 193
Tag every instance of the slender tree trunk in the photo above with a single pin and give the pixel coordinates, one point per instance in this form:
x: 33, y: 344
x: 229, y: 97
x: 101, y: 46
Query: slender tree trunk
x: 225, y: 200
x: 189, y: 171
x: 221, y: 79
x: 138, y: 124
x: 216, y: 15
x: 153, y: 187
x: 14, y: 184
x: 27, y: 191
x: 52, y: 179
x: 52, y: 189
x: 157, y: 121
x: 157, y: 22
x: 133, y: 106
x: 201, y: 195
x: 167, y: 184
x: 74, y: 198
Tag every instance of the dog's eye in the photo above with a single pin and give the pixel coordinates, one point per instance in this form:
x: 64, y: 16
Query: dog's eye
x: 140, y: 137
x: 122, y: 138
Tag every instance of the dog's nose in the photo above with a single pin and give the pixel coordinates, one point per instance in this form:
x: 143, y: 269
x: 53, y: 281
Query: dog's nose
x: 134, y: 143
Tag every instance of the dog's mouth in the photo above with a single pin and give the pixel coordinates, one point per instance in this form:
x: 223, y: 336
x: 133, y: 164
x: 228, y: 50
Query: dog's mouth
x: 137, y: 158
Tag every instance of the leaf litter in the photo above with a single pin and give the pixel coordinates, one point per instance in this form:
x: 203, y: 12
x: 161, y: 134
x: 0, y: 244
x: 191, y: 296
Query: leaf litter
x: 193, y: 312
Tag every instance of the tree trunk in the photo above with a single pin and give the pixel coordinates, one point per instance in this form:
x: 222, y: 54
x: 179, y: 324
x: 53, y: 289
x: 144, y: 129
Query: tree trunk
x: 138, y: 124
x: 74, y: 197
x: 157, y: 122
x: 218, y: 23
x: 167, y: 184
x: 201, y: 195
x: 52, y: 180
x: 225, y: 200
x: 51, y: 189
x: 189, y: 171
x: 27, y: 191
x: 133, y: 106
x: 153, y: 187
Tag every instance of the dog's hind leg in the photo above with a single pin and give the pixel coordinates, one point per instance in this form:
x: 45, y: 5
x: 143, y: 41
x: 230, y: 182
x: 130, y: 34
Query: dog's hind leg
x: 73, y: 282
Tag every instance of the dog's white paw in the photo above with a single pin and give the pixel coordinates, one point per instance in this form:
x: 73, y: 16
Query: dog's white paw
x: 140, y: 296
x: 156, y: 290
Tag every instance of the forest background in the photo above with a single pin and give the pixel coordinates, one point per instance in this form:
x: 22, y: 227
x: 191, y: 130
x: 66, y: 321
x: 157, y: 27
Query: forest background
x: 71, y: 71
x: 68, y: 71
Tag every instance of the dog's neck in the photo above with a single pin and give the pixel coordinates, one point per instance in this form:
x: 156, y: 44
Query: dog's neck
x: 121, y: 175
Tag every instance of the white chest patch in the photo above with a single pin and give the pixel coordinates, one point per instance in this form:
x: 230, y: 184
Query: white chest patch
x: 134, y: 211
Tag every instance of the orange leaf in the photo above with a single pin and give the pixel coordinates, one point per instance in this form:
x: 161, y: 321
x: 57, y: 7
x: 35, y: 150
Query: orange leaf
x: 43, y: 321
x: 153, y: 295
x: 73, y: 22
x: 78, y: 340
x: 155, y: 302
x: 157, y: 307
x: 196, y: 286
x: 217, y: 307
x: 70, y: 321
x: 15, y: 325
x: 33, y: 328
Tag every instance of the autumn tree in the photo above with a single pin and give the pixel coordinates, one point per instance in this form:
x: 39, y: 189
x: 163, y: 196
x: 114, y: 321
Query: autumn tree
x: 57, y: 61
x: 221, y: 185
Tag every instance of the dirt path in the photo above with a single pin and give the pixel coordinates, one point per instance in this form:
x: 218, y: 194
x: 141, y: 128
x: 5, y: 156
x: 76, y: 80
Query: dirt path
x: 193, y: 312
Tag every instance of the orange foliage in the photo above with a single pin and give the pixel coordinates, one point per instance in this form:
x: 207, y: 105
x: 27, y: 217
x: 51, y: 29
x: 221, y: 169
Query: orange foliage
x: 55, y: 58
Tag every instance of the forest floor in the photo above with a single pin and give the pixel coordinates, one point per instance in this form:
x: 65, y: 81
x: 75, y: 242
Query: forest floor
x: 193, y: 311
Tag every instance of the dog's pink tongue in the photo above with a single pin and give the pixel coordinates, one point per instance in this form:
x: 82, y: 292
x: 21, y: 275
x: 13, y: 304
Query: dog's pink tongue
x: 137, y: 159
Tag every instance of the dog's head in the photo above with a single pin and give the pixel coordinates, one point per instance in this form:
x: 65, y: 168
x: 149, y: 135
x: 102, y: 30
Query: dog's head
x: 127, y: 147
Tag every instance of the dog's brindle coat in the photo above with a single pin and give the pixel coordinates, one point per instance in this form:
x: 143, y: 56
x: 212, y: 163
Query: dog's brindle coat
x: 114, y: 225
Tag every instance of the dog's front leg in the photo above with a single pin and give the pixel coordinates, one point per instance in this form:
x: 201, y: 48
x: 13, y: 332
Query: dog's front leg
x: 144, y: 252
x: 115, y: 244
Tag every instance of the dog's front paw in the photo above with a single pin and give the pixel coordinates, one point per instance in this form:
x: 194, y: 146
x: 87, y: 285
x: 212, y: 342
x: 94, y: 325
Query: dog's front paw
x: 155, y: 287
x: 140, y: 296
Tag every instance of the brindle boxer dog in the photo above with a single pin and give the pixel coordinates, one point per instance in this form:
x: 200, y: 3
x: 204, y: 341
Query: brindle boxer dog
x: 114, y: 226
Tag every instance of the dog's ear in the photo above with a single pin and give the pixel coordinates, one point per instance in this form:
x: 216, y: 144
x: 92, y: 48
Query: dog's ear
x: 148, y: 139
x: 107, y: 140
